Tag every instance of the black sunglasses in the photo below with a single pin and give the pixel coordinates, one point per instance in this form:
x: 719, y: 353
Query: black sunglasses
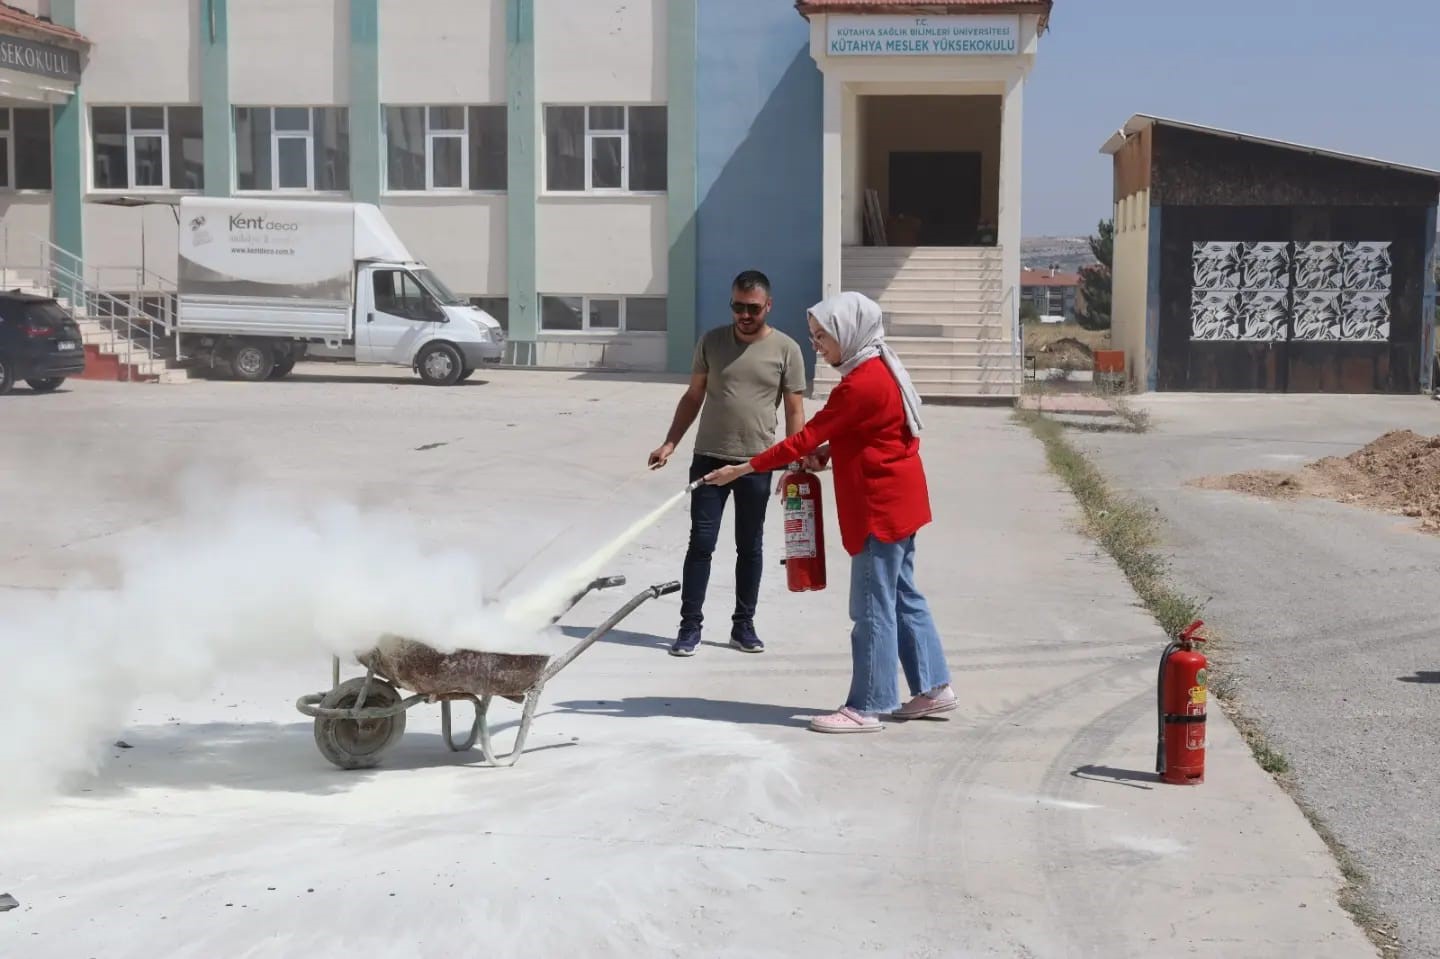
x: 749, y: 309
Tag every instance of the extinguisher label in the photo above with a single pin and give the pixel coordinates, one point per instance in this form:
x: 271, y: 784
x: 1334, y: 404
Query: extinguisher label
x: 800, y: 529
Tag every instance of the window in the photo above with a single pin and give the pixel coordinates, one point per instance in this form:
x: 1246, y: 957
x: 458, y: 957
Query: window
x: 629, y: 314
x: 24, y: 148
x: 497, y: 306
x: 144, y: 148
x: 292, y: 149
x: 400, y: 294
x: 446, y: 148
x: 603, y: 149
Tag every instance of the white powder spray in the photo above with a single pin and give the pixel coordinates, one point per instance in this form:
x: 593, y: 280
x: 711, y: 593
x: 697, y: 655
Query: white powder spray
x: 533, y: 610
x: 237, y: 581
x: 254, y: 579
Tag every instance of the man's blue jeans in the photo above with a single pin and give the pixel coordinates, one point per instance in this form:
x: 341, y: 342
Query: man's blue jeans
x: 892, y: 623
x: 707, y: 507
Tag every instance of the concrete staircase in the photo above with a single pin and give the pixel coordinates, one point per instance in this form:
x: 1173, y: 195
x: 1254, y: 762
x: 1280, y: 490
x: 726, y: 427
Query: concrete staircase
x: 117, y: 348
x: 944, y: 317
x: 111, y: 355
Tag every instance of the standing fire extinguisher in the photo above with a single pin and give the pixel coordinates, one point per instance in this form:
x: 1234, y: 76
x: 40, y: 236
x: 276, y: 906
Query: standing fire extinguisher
x: 1181, y: 699
x: 804, y: 530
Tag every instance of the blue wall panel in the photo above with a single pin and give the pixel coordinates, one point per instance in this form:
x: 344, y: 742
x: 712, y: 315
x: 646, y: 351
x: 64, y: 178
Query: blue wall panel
x: 758, y: 160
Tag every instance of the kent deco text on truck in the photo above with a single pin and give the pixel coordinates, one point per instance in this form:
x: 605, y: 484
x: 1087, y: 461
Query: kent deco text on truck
x: 263, y: 284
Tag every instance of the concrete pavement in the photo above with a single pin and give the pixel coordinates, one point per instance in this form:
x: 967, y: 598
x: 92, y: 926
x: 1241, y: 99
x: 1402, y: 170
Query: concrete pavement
x: 1330, y: 614
x: 664, y: 807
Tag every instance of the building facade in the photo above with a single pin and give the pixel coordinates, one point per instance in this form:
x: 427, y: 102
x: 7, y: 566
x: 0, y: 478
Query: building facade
x: 591, y: 172
x: 1053, y: 294
x: 1251, y: 264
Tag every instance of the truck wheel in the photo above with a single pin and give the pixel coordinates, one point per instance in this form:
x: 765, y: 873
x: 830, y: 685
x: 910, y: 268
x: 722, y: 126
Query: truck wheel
x: 358, y: 743
x: 47, y: 385
x: 251, y: 362
x: 282, y: 369
x: 440, y: 364
x: 7, y: 376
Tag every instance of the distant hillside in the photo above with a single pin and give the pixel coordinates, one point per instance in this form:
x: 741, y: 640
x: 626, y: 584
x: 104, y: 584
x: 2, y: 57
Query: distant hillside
x: 1069, y: 253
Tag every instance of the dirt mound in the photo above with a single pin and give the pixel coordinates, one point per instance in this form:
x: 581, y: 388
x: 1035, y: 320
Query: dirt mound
x: 1066, y: 353
x: 1399, y: 472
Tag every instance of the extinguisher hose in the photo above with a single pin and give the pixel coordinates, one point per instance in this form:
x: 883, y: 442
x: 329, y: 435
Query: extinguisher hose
x: 1160, y: 708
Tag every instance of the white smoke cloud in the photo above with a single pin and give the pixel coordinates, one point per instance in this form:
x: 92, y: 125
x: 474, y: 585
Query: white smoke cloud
x: 238, y: 579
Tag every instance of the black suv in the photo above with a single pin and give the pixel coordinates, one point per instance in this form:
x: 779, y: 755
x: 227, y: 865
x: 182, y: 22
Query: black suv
x: 39, y: 343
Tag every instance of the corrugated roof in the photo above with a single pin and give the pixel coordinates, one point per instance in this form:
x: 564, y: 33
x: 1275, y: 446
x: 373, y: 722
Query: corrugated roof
x: 14, y: 17
x: 1143, y: 121
x: 1041, y: 7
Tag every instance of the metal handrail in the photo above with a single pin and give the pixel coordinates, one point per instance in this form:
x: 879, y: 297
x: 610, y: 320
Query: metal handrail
x: 129, y: 324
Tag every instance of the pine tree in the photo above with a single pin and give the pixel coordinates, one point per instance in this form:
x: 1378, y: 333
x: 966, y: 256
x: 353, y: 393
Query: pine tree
x: 1095, y: 280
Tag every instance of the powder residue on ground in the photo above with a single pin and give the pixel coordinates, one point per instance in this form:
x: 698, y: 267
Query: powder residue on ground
x: 1399, y: 473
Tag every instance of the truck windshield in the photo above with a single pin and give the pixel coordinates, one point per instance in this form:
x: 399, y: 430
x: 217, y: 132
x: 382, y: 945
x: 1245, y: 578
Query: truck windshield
x: 439, y: 290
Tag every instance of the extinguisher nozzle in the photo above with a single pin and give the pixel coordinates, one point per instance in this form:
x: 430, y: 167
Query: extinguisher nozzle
x: 695, y: 485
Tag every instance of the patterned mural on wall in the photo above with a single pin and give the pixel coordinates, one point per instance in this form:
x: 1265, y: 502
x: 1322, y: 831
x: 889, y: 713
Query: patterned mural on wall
x: 1267, y: 291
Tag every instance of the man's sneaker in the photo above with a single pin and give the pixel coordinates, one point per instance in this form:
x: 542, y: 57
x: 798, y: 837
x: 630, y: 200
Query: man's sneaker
x: 743, y: 638
x: 686, y: 642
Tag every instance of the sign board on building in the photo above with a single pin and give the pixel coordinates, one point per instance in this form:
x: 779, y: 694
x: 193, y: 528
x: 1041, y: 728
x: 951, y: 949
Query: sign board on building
x: 940, y: 36
x: 42, y: 59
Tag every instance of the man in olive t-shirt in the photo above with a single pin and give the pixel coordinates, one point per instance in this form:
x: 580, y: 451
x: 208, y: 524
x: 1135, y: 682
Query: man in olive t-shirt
x: 742, y: 374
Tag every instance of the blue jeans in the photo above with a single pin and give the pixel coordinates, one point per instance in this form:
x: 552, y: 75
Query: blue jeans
x: 892, y: 622
x: 707, y: 507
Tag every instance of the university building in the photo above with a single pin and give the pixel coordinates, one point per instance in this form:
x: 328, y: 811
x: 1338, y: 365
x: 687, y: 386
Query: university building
x: 591, y: 172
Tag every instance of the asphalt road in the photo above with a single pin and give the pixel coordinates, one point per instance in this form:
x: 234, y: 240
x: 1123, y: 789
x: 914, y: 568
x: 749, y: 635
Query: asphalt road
x: 1330, y: 613
x: 664, y: 807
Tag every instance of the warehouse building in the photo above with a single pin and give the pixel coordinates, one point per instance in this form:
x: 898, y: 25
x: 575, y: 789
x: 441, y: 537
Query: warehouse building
x: 1250, y: 264
x: 591, y: 172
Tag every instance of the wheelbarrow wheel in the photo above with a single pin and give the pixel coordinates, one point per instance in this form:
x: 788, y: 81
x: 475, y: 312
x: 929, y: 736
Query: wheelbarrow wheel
x: 358, y: 743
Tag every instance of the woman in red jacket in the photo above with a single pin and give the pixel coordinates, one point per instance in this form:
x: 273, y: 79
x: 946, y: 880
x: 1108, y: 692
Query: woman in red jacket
x: 871, y: 424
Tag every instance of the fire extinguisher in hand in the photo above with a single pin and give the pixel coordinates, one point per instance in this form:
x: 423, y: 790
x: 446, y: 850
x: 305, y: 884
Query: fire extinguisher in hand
x: 804, y: 530
x: 1181, y: 700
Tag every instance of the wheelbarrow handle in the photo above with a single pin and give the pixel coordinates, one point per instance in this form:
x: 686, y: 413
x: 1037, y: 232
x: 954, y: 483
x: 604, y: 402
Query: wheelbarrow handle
x: 565, y: 659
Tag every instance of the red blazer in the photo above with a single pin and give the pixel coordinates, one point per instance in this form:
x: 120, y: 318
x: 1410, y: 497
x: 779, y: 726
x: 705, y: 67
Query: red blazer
x: 879, y: 479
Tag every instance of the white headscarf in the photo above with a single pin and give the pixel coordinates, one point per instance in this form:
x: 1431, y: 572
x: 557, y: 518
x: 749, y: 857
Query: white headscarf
x: 858, y: 325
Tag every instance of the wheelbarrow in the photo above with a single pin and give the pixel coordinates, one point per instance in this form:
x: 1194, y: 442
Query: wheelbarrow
x: 359, y: 719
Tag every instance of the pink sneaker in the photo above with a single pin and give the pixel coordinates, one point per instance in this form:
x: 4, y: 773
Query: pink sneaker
x: 926, y: 705
x: 846, y: 720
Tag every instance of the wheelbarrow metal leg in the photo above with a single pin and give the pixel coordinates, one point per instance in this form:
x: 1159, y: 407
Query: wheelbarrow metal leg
x: 487, y: 747
x: 445, y: 727
x: 532, y: 700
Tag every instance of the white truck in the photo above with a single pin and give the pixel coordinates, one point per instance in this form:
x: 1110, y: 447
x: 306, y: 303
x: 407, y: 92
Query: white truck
x: 263, y: 283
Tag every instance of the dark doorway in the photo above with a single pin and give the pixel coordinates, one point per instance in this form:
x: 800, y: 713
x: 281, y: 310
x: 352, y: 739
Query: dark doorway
x: 942, y: 191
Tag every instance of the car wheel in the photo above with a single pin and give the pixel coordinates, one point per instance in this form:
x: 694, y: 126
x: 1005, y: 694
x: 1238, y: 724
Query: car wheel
x: 252, y: 362
x: 466, y: 373
x: 440, y: 364
x: 7, y: 376
x: 48, y: 385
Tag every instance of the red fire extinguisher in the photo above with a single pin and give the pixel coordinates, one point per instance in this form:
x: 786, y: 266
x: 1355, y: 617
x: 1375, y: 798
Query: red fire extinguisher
x: 804, y: 530
x: 1182, y: 695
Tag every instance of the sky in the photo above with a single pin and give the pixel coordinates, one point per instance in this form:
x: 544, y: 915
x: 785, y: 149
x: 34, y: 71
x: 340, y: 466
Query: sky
x: 1358, y: 76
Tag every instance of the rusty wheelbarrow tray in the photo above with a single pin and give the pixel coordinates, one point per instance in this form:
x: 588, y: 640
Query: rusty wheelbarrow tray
x: 359, y: 719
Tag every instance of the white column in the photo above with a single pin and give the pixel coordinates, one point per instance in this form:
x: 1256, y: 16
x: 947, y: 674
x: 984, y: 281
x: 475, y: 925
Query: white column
x: 852, y: 197
x: 1012, y: 125
x: 832, y: 210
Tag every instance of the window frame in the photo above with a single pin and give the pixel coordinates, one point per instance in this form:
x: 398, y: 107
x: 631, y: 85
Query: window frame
x: 590, y: 135
x: 465, y: 134
x: 7, y: 136
x: 12, y: 165
x: 307, y: 135
x: 586, y: 329
x: 165, y: 133
x: 132, y: 134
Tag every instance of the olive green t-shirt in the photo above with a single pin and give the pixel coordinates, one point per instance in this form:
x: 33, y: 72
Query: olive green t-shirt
x: 745, y: 383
